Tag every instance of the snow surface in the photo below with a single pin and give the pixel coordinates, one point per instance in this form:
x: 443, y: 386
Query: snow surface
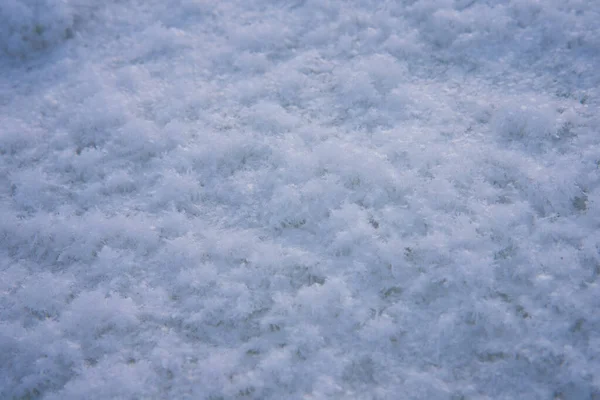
x: 299, y: 199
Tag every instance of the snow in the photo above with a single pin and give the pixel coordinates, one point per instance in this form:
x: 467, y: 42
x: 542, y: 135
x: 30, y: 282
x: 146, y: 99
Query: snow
x: 299, y: 199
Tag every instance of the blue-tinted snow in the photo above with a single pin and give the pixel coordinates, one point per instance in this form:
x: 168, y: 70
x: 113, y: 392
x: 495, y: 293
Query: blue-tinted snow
x: 299, y: 199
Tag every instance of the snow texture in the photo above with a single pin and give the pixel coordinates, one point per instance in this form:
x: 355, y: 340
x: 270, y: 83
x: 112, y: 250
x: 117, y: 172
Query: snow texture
x: 300, y: 199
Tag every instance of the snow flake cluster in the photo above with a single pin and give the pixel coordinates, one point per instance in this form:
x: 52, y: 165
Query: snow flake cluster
x: 299, y: 199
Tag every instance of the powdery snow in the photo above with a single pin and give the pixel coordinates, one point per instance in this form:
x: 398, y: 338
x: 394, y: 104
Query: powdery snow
x: 303, y: 199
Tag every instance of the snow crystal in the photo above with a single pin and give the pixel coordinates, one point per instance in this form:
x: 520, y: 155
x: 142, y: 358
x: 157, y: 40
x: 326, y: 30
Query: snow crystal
x: 299, y: 199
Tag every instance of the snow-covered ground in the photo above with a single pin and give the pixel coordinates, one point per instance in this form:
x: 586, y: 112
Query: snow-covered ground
x: 300, y: 199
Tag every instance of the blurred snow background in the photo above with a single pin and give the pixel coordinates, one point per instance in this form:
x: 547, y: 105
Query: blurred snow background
x: 303, y: 199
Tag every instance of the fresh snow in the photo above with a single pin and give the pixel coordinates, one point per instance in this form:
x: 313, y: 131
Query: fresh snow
x: 300, y: 199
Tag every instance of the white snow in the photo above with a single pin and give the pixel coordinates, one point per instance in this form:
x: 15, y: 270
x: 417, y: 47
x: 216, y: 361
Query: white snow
x: 300, y: 199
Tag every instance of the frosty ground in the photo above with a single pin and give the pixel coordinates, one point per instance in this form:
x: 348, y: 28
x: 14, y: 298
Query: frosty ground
x: 251, y: 199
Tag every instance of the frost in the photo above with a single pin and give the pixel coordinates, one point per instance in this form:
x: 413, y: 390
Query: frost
x: 299, y: 199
